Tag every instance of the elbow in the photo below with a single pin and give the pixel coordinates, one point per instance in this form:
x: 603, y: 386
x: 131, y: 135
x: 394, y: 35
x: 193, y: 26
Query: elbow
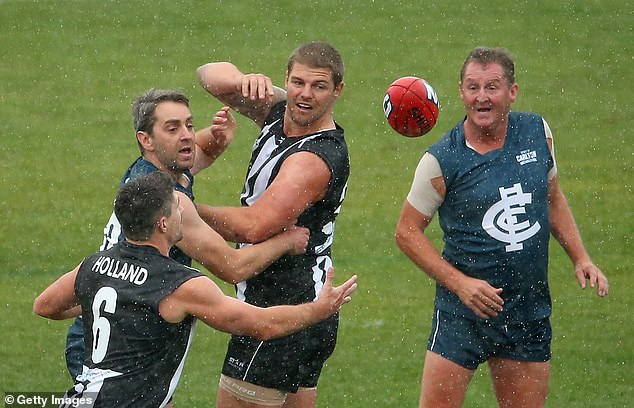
x: 258, y: 228
x: 268, y: 333
x: 255, y: 235
x: 233, y: 278
x: 200, y: 73
x: 263, y: 336
x: 207, y: 74
x: 231, y: 275
x: 204, y: 78
x: 400, y: 237
x: 42, y: 308
x: 38, y: 309
x: 232, y: 272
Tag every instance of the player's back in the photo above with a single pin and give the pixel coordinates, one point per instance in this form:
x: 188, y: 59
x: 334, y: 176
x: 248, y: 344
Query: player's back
x: 133, y: 357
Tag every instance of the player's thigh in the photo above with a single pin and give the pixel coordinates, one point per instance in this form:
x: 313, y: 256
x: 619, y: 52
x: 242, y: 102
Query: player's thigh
x: 303, y: 398
x: 519, y: 383
x: 234, y: 393
x: 444, y: 383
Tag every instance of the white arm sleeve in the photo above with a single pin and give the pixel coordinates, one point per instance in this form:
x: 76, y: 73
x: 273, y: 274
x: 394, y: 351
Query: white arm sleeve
x: 549, y: 135
x: 422, y: 195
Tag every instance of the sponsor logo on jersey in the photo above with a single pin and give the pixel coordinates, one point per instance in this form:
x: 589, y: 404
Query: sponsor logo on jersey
x: 526, y: 156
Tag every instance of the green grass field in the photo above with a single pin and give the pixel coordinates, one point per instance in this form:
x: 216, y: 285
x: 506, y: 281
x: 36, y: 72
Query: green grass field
x: 70, y: 69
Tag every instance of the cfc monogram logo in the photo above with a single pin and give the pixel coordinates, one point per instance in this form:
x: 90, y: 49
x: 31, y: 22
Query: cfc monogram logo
x: 501, y: 222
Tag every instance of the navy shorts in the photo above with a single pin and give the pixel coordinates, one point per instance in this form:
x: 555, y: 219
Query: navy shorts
x: 75, y: 348
x: 469, y: 342
x: 286, y: 363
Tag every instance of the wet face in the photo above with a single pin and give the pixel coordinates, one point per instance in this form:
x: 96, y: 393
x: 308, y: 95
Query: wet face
x: 172, y: 142
x: 174, y: 222
x: 310, y: 94
x: 487, y: 96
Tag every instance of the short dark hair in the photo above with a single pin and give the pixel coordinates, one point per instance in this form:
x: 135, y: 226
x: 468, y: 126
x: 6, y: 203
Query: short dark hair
x: 141, y: 202
x: 488, y: 55
x: 145, y: 104
x: 318, y: 54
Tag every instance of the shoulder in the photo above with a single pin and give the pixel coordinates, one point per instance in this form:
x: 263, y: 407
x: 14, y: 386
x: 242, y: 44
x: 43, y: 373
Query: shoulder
x: 528, y: 127
x: 139, y: 168
x: 449, y: 144
x: 526, y: 120
x: 329, y: 146
x: 326, y: 142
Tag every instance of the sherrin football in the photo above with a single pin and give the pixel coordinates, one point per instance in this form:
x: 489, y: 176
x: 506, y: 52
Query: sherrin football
x: 411, y: 106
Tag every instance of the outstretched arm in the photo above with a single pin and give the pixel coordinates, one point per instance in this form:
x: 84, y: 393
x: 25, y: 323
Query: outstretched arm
x: 206, y: 246
x: 58, y: 301
x: 252, y: 95
x: 201, y: 297
x: 565, y: 231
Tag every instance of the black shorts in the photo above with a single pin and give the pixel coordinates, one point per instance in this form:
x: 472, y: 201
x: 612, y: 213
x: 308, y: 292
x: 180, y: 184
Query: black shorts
x: 284, y: 364
x: 470, y: 342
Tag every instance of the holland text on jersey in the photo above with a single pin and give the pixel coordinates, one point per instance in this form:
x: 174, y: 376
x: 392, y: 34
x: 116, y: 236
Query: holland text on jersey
x: 118, y: 270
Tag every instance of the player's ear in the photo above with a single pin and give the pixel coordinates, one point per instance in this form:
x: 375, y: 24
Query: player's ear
x: 515, y: 89
x: 162, y: 224
x: 286, y: 79
x: 338, y: 89
x: 145, y: 140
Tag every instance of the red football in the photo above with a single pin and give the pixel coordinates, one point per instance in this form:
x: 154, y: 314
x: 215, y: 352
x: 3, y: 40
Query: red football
x: 411, y: 106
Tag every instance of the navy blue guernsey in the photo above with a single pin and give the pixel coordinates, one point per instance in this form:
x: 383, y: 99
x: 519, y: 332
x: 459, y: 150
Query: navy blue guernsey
x: 112, y: 231
x: 495, y: 217
x: 133, y: 357
x: 296, y: 279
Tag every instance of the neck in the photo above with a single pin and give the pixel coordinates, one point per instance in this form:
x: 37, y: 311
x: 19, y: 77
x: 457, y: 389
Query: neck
x: 492, y: 137
x: 292, y: 129
x: 162, y: 247
x: 178, y: 175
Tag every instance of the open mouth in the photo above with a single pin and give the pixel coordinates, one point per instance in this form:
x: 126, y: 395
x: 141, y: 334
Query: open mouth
x: 304, y: 106
x: 186, y: 151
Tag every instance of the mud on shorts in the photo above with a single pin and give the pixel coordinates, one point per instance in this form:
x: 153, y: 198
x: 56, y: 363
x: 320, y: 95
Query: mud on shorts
x: 469, y: 342
x: 285, y: 364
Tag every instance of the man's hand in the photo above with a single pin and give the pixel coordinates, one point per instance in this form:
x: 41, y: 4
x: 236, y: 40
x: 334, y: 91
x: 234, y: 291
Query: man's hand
x: 297, y: 239
x: 479, y: 296
x: 332, y: 298
x: 223, y: 129
x: 257, y: 87
x: 590, y: 272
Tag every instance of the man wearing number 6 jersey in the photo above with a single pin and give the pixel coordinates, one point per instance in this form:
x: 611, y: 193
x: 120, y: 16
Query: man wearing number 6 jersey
x: 165, y: 135
x: 140, y: 306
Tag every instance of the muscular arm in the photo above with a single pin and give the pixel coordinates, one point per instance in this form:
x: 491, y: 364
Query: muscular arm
x: 206, y: 246
x: 251, y: 95
x: 302, y: 180
x: 483, y: 299
x: 58, y: 301
x: 200, y: 297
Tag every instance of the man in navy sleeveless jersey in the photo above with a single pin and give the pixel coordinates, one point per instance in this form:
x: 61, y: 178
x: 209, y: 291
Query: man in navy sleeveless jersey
x: 164, y: 131
x: 139, y: 306
x: 297, y: 175
x: 493, y: 181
